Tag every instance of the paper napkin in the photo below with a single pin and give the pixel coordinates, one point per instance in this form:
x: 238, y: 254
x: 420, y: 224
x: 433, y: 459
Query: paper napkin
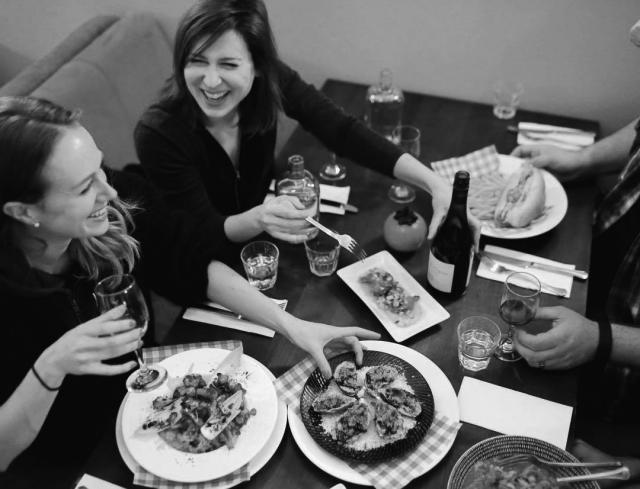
x: 392, y: 474
x: 90, y: 482
x: 143, y: 478
x: 513, y: 413
x: 478, y: 163
x: 545, y: 277
x: 339, y: 195
x: 534, y: 133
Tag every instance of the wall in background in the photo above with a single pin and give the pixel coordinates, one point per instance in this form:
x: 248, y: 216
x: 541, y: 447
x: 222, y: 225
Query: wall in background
x: 573, y: 56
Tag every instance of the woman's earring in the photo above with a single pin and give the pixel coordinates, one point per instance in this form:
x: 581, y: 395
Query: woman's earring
x: 36, y: 224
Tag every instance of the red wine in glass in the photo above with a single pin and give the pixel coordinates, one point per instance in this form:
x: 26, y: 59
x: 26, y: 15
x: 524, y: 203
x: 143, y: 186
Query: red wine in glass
x: 516, y: 312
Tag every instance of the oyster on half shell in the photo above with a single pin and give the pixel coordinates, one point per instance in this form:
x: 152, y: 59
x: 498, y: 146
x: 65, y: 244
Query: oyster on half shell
x: 381, y: 376
x: 346, y: 376
x: 332, y: 403
x: 388, y: 421
x: 406, y: 402
x: 353, y: 422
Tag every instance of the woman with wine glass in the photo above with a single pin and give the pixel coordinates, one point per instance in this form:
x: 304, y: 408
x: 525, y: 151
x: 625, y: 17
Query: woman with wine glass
x: 64, y: 226
x: 209, y: 142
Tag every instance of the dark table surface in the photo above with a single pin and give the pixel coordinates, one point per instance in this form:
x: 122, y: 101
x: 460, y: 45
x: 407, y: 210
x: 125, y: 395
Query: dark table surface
x: 449, y: 128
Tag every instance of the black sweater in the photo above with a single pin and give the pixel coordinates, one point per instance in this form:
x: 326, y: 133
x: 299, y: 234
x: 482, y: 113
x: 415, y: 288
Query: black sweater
x: 196, y: 174
x: 38, y: 308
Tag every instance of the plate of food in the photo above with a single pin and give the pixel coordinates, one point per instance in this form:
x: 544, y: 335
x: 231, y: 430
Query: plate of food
x: 398, y: 301
x: 517, y: 201
x: 203, y: 423
x: 483, y: 466
x: 444, y: 399
x: 369, y: 413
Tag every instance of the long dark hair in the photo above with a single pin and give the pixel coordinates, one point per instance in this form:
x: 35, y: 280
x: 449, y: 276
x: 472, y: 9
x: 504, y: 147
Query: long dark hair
x: 201, y: 26
x: 29, y: 131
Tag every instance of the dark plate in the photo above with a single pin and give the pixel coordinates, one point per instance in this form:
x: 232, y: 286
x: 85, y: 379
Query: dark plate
x: 316, y: 384
x: 505, y: 446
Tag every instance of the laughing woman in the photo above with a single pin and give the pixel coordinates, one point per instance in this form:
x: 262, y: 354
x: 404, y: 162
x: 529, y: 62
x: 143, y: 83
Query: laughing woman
x: 63, y: 226
x: 209, y: 142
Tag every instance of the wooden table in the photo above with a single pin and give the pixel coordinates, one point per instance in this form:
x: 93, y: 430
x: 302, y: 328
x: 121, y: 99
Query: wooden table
x: 449, y: 128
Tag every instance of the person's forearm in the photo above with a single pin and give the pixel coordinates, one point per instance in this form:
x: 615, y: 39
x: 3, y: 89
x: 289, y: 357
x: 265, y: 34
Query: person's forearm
x: 242, y: 227
x: 23, y: 414
x: 625, y: 348
x: 611, y: 153
x: 413, y: 171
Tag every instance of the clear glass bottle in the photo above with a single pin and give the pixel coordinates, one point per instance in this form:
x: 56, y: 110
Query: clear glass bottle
x: 384, y: 106
x: 451, y: 253
x: 302, y: 184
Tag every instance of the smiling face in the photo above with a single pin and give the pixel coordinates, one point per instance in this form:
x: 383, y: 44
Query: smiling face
x: 77, y: 194
x: 220, y: 77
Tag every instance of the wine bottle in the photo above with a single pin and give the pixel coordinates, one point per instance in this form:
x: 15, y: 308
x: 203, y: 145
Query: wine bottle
x: 451, y: 253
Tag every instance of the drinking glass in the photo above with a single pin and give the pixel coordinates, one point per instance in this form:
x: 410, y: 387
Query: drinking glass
x: 408, y: 138
x: 518, y: 306
x: 506, y: 98
x: 333, y: 171
x: 260, y: 262
x: 113, y: 291
x: 322, y: 252
x: 478, y: 338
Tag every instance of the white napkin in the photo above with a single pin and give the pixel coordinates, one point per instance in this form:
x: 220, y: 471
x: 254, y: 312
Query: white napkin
x: 339, y: 195
x: 534, y: 133
x: 545, y: 277
x: 91, y: 482
x: 513, y: 413
x: 219, y: 319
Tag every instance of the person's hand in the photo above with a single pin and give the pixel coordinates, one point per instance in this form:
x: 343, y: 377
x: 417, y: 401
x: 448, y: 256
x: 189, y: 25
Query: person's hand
x: 567, y: 165
x: 81, y: 350
x: 283, y: 217
x: 571, y: 341
x: 319, y: 339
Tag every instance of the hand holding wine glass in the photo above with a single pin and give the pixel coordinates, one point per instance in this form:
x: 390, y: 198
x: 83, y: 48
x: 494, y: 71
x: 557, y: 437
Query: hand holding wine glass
x: 518, y: 305
x: 116, y: 290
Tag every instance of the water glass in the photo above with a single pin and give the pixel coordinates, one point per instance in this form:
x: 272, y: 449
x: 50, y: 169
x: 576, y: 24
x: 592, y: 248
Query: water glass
x: 322, y: 253
x: 506, y: 98
x: 478, y: 338
x: 260, y: 262
x: 407, y: 138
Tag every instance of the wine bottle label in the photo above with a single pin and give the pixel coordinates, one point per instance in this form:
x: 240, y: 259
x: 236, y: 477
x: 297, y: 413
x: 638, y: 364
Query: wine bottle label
x: 440, y: 274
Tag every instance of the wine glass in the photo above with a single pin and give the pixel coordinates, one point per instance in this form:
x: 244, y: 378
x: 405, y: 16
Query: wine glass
x: 333, y: 171
x: 408, y: 138
x: 518, y: 306
x: 113, y: 291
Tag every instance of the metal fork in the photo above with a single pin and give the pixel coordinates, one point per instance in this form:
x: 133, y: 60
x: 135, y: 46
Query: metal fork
x: 344, y: 240
x: 516, y: 459
x: 496, y: 267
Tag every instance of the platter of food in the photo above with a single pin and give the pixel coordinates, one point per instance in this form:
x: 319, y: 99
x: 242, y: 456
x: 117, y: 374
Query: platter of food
x: 369, y: 413
x: 202, y: 423
x: 518, y: 201
x: 398, y: 301
x: 483, y: 466
x: 444, y: 400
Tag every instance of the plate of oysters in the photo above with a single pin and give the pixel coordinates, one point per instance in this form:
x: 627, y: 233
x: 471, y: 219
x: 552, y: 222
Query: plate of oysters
x: 369, y: 413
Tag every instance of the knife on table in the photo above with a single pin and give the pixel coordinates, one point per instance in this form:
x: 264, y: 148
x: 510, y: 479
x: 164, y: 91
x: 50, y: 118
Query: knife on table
x: 347, y: 207
x: 580, y: 274
x: 549, y: 130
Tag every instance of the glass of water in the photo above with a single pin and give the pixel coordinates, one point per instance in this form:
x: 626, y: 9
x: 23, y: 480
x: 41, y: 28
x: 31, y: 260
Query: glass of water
x: 322, y: 252
x: 506, y: 98
x: 260, y: 261
x: 478, y: 338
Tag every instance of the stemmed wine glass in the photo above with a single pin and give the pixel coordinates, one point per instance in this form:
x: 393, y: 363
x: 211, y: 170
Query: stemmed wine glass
x: 408, y: 138
x: 518, y: 306
x: 113, y: 291
x: 333, y: 171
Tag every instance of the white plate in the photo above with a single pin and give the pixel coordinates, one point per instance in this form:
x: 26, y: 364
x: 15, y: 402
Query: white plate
x: 154, y: 455
x: 444, y: 398
x: 556, y: 205
x: 257, y: 462
x: 428, y: 311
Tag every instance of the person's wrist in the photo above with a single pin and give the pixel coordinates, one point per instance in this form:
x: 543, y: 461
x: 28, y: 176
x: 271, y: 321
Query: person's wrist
x: 49, y: 369
x: 602, y: 352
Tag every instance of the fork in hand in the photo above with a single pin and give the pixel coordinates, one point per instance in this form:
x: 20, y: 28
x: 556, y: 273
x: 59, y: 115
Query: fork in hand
x: 532, y: 459
x: 344, y: 240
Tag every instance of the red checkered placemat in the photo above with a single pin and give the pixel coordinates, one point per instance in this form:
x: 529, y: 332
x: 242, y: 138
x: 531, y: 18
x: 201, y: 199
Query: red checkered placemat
x: 478, y: 163
x: 394, y: 473
x: 143, y: 478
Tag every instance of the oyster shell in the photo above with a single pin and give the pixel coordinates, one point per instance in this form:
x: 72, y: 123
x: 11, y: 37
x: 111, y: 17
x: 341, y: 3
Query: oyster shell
x: 346, y: 377
x: 353, y: 422
x: 406, y: 402
x: 332, y: 403
x: 388, y: 422
x: 381, y: 376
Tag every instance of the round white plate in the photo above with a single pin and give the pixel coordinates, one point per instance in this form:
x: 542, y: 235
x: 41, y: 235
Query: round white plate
x: 444, y: 398
x: 154, y: 455
x: 257, y: 462
x: 556, y: 204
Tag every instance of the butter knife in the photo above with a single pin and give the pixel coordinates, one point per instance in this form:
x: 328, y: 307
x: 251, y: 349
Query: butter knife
x: 579, y: 274
x: 550, y: 130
